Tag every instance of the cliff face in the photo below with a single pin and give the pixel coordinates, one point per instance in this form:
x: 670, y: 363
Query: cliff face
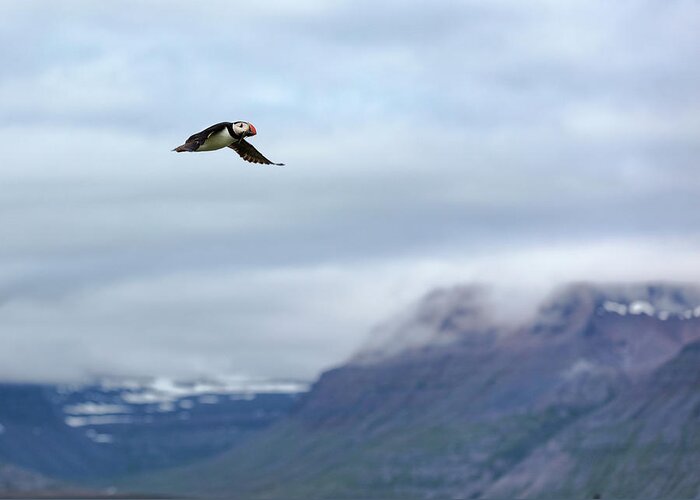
x: 645, y: 443
x: 598, y: 393
x: 582, y: 346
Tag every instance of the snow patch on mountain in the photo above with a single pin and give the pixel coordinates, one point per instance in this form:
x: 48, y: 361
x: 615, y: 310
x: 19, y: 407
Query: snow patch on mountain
x: 581, y: 367
x: 167, y: 390
x: 642, y: 307
x: 91, y: 408
x: 129, y: 401
x: 615, y: 307
x: 474, y: 315
x: 639, y: 307
x: 98, y: 420
x: 98, y: 437
x: 569, y: 308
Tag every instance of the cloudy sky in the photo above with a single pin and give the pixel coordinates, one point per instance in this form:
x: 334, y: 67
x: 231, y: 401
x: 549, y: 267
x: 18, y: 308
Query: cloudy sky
x: 427, y: 143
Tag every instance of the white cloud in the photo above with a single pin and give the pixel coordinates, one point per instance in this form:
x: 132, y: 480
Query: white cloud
x: 426, y: 145
x: 606, y: 123
x: 96, y: 87
x: 281, y: 321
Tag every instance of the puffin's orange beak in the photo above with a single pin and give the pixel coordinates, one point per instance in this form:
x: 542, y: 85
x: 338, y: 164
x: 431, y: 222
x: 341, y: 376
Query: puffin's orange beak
x: 252, y: 129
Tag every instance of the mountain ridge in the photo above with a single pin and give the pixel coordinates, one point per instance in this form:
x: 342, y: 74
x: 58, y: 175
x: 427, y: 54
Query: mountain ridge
x: 93, y: 432
x: 467, y: 418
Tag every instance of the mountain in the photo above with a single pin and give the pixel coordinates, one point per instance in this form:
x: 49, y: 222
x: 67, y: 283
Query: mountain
x: 644, y: 444
x: 597, y: 394
x: 16, y: 479
x: 90, y: 434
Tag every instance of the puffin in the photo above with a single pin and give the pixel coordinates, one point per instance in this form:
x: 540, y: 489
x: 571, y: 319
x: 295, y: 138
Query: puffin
x: 227, y: 135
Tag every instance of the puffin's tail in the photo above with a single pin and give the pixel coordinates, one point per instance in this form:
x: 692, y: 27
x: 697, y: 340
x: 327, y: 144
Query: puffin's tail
x: 186, y: 147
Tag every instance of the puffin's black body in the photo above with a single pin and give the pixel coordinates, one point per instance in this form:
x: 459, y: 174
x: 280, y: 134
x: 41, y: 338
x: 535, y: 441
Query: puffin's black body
x: 195, y: 141
x: 226, y: 134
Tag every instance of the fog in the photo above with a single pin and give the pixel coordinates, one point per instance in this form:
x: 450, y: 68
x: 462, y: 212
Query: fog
x: 426, y: 144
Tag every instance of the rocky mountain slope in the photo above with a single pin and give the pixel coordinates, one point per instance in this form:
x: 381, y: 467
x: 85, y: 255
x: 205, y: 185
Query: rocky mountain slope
x: 597, y: 394
x: 16, y: 479
x: 92, y: 433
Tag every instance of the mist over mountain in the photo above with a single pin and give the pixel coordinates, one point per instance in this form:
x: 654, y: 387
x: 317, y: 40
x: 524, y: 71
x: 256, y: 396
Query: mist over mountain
x: 480, y: 314
x: 595, y: 394
x: 597, y: 391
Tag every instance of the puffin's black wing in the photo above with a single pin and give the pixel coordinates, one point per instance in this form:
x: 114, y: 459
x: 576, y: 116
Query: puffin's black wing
x: 246, y: 151
x: 204, y: 134
x: 194, y: 141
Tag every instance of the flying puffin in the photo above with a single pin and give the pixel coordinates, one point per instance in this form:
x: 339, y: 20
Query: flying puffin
x: 223, y: 135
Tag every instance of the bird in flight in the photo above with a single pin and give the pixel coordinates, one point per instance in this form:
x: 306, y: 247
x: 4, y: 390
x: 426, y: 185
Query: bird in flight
x: 227, y: 135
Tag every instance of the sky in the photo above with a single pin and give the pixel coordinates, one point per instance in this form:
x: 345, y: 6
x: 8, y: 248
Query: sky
x: 518, y: 144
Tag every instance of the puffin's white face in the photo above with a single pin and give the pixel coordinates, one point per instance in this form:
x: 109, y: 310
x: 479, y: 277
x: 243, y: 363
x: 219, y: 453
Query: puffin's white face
x: 244, y: 128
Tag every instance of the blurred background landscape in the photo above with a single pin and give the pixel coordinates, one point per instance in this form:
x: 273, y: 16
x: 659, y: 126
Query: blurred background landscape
x: 478, y: 275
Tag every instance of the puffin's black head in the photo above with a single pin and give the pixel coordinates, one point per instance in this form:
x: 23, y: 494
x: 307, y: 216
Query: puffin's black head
x: 244, y: 129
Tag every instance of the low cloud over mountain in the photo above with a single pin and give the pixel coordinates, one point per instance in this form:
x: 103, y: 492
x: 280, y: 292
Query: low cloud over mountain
x: 596, y: 394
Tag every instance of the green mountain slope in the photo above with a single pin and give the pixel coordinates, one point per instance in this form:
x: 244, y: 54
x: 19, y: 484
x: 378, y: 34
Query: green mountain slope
x: 581, y: 401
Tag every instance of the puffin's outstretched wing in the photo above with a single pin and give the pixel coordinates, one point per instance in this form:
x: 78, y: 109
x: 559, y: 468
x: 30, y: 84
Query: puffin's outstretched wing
x: 194, y: 141
x: 248, y: 152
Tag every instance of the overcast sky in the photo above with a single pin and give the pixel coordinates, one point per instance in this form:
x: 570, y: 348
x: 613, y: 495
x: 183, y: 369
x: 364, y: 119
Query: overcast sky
x: 427, y: 143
